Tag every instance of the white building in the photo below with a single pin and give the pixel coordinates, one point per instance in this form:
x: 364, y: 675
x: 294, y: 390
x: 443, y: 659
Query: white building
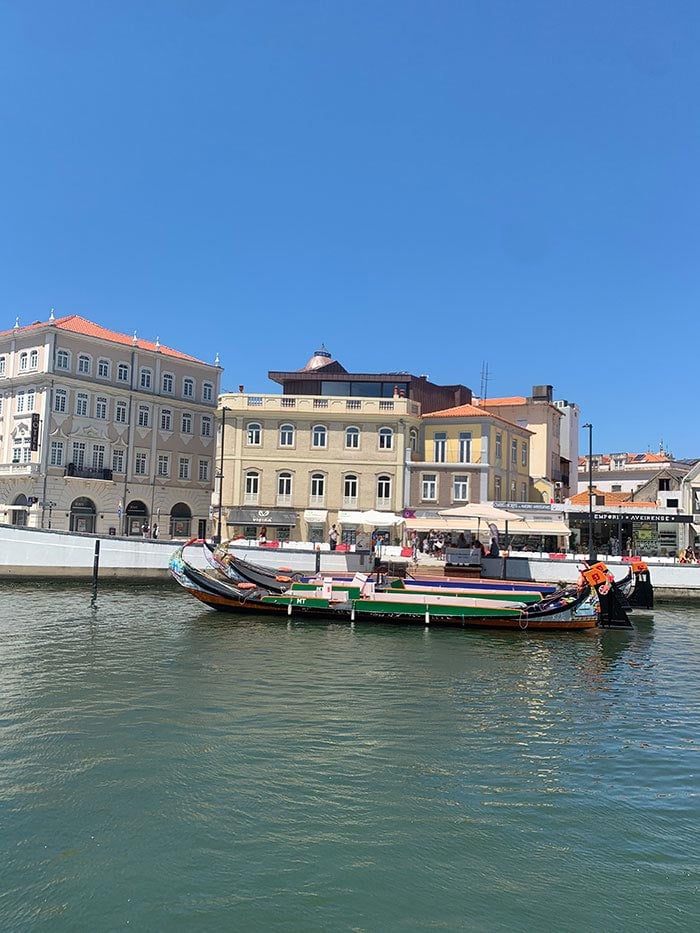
x: 102, y: 432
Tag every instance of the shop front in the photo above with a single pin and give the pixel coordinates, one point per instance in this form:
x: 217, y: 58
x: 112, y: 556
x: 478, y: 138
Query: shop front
x: 250, y: 522
x: 628, y: 533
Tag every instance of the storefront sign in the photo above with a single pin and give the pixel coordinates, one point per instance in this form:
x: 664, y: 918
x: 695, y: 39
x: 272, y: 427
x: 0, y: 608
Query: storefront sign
x: 270, y: 517
x: 629, y: 517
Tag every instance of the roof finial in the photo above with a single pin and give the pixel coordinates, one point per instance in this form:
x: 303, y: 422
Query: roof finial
x: 135, y: 339
x: 157, y: 344
x: 17, y: 323
x: 217, y: 361
x: 52, y: 317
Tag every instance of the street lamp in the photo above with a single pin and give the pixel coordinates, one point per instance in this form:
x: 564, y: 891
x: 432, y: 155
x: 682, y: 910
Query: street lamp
x: 220, y: 474
x: 592, y: 555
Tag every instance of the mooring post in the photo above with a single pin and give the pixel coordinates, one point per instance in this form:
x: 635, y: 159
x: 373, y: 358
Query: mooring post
x: 318, y: 559
x: 95, y: 573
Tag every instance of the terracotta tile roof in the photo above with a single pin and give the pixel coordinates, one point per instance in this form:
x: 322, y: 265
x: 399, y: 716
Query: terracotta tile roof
x: 621, y: 499
x: 80, y: 325
x: 513, y: 400
x: 472, y: 411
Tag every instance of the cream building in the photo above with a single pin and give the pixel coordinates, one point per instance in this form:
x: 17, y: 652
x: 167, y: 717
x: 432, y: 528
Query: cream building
x: 102, y: 432
x: 297, y: 464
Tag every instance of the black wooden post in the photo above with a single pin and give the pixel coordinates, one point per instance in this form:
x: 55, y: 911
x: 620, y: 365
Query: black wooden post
x: 95, y: 573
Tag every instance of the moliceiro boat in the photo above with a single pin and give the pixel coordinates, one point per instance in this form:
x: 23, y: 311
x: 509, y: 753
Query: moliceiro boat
x: 224, y: 588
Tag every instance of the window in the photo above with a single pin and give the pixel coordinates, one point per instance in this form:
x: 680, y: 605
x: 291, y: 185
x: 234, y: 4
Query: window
x: 120, y: 412
x: 284, y: 489
x: 465, y: 447
x: 523, y: 492
x: 203, y: 471
x: 19, y: 402
x: 254, y: 434
x: 101, y: 407
x: 144, y: 416
x: 98, y: 456
x: 318, y: 435
x: 514, y: 453
x: 523, y: 454
x: 123, y: 372
x: 146, y: 378
x: 21, y: 451
x: 499, y: 446
x: 34, y: 359
x: 383, y: 490
x: 3, y: 365
x: 429, y: 486
x: 183, y: 468
x: 103, y: 368
x: 188, y: 388
x: 168, y: 383
x: 206, y: 426
x: 350, y: 490
x: 56, y: 453
x: 252, y: 487
x: 616, y: 487
x: 118, y: 461
x: 30, y: 399
x: 413, y: 439
x: 207, y: 392
x: 60, y: 400
x: 23, y: 362
x: 352, y: 438
x: 513, y: 490
x: 81, y: 404
x: 665, y: 484
x: 318, y: 488
x: 386, y: 438
x: 1, y: 400
x: 186, y: 423
x: 497, y: 493
x: 141, y: 464
x: 79, y: 454
x: 286, y: 435
x: 166, y: 419
x: 163, y: 464
x: 440, y: 447
x: 84, y: 364
x: 460, y: 489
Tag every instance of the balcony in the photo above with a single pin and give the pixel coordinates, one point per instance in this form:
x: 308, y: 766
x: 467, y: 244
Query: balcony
x: 237, y: 402
x: 88, y: 472
x: 19, y: 469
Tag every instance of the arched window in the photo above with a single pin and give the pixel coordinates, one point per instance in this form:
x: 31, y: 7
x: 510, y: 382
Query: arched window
x: 350, y: 486
x: 319, y: 435
x: 251, y: 495
x: 167, y: 381
x: 146, y: 378
x: 166, y: 419
x: 33, y: 359
x: 207, y: 392
x: 19, y: 513
x: 60, y: 400
x: 136, y: 517
x: 62, y: 359
x: 318, y: 489
x: 386, y: 439
x: 286, y: 435
x: 383, y: 492
x: 3, y: 364
x: 188, y: 388
x: 104, y: 368
x: 284, y: 488
x: 413, y: 439
x: 352, y: 438
x: 254, y: 434
x: 23, y: 361
x: 180, y: 520
x: 84, y: 364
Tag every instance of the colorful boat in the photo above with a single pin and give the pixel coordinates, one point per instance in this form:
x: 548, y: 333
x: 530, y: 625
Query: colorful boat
x: 575, y: 608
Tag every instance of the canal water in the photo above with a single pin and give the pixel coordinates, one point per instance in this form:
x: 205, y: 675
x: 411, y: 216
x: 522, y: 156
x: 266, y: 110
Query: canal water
x: 164, y: 767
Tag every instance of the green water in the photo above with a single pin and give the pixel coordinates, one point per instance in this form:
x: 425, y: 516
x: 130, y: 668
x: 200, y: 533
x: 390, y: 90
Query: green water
x: 163, y: 767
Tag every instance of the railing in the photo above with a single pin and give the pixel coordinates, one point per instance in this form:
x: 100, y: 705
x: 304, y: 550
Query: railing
x: 272, y: 403
x: 251, y: 499
x: 24, y: 469
x: 350, y: 502
x: 87, y: 472
x: 317, y: 502
x: 320, y: 403
x: 284, y: 500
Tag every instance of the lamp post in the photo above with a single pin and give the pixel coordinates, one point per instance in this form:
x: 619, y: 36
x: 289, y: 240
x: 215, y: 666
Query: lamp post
x: 592, y: 555
x: 220, y: 474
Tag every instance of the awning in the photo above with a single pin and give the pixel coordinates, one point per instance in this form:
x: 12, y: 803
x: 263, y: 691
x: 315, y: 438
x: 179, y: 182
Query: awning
x: 371, y: 517
x: 437, y: 524
x: 270, y: 517
x: 534, y: 527
x: 315, y: 516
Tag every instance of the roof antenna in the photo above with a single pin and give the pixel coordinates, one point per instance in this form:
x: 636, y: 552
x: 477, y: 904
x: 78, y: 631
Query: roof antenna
x: 484, y: 379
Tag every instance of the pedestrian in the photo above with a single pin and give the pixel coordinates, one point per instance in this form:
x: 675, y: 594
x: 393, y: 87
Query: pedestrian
x: 144, y: 529
x: 262, y: 536
x: 333, y: 537
x: 155, y: 529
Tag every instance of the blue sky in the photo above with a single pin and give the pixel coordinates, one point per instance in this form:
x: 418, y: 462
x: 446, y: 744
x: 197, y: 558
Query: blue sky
x: 422, y: 186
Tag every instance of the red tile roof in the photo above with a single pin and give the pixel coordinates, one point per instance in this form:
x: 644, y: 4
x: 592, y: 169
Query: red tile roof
x: 621, y: 499
x: 472, y: 411
x: 79, y: 325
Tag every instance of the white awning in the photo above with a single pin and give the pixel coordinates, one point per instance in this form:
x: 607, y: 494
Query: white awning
x: 439, y: 524
x: 315, y: 516
x: 371, y: 517
x: 535, y: 527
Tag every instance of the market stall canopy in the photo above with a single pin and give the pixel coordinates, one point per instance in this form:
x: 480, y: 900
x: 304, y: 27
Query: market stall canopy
x: 479, y: 510
x: 477, y: 516
x: 535, y: 526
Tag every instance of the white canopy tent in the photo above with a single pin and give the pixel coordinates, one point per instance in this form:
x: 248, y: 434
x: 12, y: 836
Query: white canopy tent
x: 371, y: 518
